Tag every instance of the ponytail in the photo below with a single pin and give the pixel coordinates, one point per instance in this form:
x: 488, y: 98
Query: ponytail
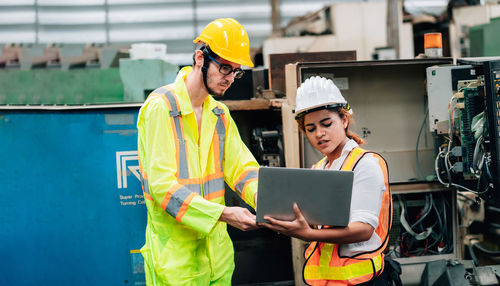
x: 351, y: 135
x: 355, y: 137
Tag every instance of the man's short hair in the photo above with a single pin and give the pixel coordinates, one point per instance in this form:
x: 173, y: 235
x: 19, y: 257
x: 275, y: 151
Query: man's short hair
x: 206, y: 51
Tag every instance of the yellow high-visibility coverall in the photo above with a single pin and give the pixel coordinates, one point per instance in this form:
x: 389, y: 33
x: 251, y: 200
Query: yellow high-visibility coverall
x: 183, y: 183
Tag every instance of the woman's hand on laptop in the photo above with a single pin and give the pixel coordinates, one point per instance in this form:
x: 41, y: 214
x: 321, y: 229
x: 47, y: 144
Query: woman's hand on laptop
x: 239, y: 217
x: 297, y: 228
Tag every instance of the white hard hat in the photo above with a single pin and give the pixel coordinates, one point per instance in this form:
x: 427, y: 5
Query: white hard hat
x: 317, y: 93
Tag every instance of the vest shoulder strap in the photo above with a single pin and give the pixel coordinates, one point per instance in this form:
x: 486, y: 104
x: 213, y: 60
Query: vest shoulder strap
x: 173, y: 101
x: 378, y: 157
x: 385, y: 217
x: 319, y: 163
x: 352, y: 159
x: 220, y: 113
x: 220, y: 128
x: 167, y: 93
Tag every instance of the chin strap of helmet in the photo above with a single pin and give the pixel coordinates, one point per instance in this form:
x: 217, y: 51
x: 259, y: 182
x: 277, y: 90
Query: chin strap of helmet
x: 206, y: 61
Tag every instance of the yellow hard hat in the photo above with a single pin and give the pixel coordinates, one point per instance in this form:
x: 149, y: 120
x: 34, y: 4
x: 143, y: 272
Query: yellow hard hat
x: 228, y: 39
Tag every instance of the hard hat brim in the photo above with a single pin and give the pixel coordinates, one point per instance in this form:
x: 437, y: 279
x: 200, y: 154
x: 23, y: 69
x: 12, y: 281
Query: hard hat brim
x: 302, y: 113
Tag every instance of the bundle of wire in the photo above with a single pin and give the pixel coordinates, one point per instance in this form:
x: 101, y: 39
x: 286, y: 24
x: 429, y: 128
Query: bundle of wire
x: 427, y: 232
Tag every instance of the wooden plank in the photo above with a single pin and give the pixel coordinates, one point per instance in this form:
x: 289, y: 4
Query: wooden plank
x: 290, y: 128
x: 292, y: 158
x: 417, y: 187
x: 252, y: 104
x: 290, y: 137
x: 298, y: 250
x: 277, y: 63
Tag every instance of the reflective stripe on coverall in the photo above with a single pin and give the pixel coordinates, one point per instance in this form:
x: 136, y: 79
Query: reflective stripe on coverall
x: 324, y: 265
x: 183, y: 183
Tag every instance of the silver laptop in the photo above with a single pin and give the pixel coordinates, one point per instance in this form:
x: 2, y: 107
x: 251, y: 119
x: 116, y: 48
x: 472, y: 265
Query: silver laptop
x: 323, y: 196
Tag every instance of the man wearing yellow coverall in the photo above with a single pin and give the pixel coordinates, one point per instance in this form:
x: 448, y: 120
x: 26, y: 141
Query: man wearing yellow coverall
x: 188, y: 146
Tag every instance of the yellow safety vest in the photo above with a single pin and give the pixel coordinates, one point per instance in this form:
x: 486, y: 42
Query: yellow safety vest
x: 183, y: 176
x: 324, y: 264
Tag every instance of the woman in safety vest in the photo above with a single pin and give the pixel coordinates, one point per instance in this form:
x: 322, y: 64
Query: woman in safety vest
x: 350, y: 255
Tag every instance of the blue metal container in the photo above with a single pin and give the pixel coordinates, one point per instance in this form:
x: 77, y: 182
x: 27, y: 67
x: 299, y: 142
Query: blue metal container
x: 71, y: 205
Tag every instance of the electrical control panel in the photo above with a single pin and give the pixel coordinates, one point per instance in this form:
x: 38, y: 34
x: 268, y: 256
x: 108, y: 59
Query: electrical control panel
x: 442, y: 82
x: 467, y: 142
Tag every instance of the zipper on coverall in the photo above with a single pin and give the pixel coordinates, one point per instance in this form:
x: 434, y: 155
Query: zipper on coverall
x: 209, y: 245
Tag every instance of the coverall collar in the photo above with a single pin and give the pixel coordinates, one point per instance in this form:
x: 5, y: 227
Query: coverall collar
x: 184, y: 100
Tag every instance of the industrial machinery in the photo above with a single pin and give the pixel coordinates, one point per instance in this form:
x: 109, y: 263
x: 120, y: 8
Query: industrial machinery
x: 483, y: 39
x: 268, y: 146
x: 59, y: 75
x: 464, y: 105
x: 77, y: 75
x: 467, y: 141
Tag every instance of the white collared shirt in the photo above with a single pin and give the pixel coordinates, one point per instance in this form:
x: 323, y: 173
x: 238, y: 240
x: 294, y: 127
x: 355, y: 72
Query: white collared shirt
x: 368, y: 188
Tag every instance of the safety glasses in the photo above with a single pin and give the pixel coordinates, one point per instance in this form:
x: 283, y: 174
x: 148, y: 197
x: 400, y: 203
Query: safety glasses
x: 227, y: 69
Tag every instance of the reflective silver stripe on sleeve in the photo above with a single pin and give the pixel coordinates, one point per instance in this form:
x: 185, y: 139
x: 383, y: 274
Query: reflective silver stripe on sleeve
x: 213, y: 186
x: 176, y: 115
x: 175, y: 203
x: 195, y: 188
x: 221, y: 132
x: 241, y: 184
x: 145, y: 184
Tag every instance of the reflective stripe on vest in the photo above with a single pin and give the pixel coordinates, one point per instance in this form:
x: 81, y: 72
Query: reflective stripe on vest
x: 180, y: 195
x: 213, y: 186
x: 323, y: 261
x: 345, y: 273
x: 175, y: 114
x: 220, y: 128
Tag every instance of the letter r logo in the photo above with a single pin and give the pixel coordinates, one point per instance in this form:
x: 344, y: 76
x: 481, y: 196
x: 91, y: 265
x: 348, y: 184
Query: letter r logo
x: 122, y: 159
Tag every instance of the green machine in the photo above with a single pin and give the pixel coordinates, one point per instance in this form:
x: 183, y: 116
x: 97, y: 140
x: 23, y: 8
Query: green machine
x: 52, y: 86
x: 96, y: 76
x: 140, y: 77
x: 484, y: 39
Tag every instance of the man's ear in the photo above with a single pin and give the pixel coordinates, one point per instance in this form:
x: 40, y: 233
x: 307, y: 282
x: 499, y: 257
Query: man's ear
x: 199, y: 59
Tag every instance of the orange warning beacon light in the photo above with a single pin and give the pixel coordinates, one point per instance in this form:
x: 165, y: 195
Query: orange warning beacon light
x: 433, y: 45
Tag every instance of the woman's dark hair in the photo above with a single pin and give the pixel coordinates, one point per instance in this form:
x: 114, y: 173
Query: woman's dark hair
x: 342, y: 113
